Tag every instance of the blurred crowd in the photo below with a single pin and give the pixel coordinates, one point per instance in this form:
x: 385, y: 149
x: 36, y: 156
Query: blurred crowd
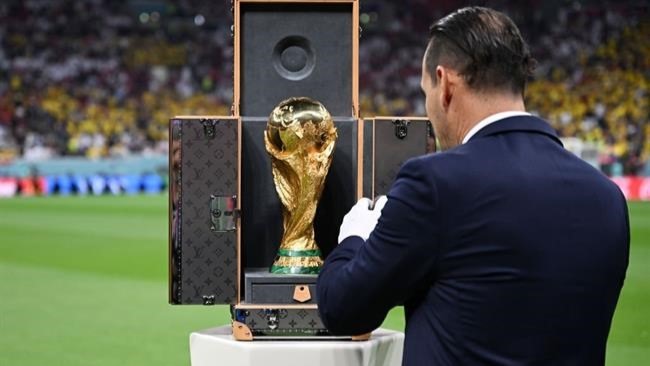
x: 101, y: 78
x: 592, y: 80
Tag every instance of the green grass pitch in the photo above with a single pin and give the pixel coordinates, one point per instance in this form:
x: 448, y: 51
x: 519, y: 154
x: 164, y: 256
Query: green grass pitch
x: 83, y: 282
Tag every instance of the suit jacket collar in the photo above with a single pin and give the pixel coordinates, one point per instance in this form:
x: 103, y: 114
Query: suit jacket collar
x: 518, y: 123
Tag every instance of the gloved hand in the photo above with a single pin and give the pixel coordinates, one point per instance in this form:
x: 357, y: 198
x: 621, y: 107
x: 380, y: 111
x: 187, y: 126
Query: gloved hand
x: 362, y: 219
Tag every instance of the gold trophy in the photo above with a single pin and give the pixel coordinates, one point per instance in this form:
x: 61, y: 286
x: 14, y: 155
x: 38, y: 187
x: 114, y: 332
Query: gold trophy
x: 300, y: 138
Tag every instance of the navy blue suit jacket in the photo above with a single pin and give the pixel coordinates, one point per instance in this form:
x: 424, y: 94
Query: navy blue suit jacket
x: 507, y: 250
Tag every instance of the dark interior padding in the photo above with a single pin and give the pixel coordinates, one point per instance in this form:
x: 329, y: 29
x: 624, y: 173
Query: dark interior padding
x: 291, y: 50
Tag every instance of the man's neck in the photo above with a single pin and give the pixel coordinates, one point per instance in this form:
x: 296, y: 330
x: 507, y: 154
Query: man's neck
x: 480, y: 106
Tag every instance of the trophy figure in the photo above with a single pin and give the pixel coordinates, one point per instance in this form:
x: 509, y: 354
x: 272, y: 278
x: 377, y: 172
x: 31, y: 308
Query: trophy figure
x: 300, y: 138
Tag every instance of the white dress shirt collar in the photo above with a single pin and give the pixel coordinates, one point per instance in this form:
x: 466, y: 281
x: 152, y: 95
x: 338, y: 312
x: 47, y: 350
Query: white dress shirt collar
x: 491, y: 119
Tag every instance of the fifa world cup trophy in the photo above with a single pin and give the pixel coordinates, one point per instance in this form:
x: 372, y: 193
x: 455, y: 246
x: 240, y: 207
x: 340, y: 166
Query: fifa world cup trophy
x: 300, y: 138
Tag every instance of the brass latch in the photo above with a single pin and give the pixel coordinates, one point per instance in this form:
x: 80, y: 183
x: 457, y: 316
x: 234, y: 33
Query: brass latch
x: 301, y: 293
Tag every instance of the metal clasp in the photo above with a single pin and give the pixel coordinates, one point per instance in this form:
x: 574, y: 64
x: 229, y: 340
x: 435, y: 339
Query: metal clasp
x: 209, y: 127
x: 272, y: 319
x: 401, y: 128
x: 223, y: 213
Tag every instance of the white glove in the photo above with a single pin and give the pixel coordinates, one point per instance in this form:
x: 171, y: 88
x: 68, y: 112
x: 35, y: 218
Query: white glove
x: 362, y: 219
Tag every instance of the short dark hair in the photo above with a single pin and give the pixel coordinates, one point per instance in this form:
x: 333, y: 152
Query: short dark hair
x: 484, y: 46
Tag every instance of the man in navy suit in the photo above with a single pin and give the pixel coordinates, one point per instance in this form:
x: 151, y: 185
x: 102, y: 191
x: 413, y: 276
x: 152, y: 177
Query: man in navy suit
x: 505, y: 249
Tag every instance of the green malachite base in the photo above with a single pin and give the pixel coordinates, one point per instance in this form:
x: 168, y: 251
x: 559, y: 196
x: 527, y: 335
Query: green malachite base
x: 297, y: 262
x: 294, y: 270
x: 299, y: 253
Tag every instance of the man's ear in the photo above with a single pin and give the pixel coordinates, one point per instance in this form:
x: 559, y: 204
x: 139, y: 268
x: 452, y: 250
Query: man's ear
x: 447, y: 81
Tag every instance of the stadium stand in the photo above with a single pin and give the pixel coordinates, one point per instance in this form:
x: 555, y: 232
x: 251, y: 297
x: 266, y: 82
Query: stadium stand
x: 101, y: 78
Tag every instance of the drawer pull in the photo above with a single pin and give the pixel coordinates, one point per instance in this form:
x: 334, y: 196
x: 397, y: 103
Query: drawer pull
x: 301, y: 293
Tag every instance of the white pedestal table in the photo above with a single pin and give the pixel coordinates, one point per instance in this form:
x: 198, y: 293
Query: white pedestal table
x: 217, y: 347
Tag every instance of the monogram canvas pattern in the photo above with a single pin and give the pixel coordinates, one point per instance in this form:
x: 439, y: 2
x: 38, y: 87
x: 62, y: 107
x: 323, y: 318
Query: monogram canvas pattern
x: 287, y: 319
x: 208, y: 261
x: 391, y: 152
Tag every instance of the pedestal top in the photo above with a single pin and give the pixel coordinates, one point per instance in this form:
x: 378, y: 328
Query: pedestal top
x: 216, y: 346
